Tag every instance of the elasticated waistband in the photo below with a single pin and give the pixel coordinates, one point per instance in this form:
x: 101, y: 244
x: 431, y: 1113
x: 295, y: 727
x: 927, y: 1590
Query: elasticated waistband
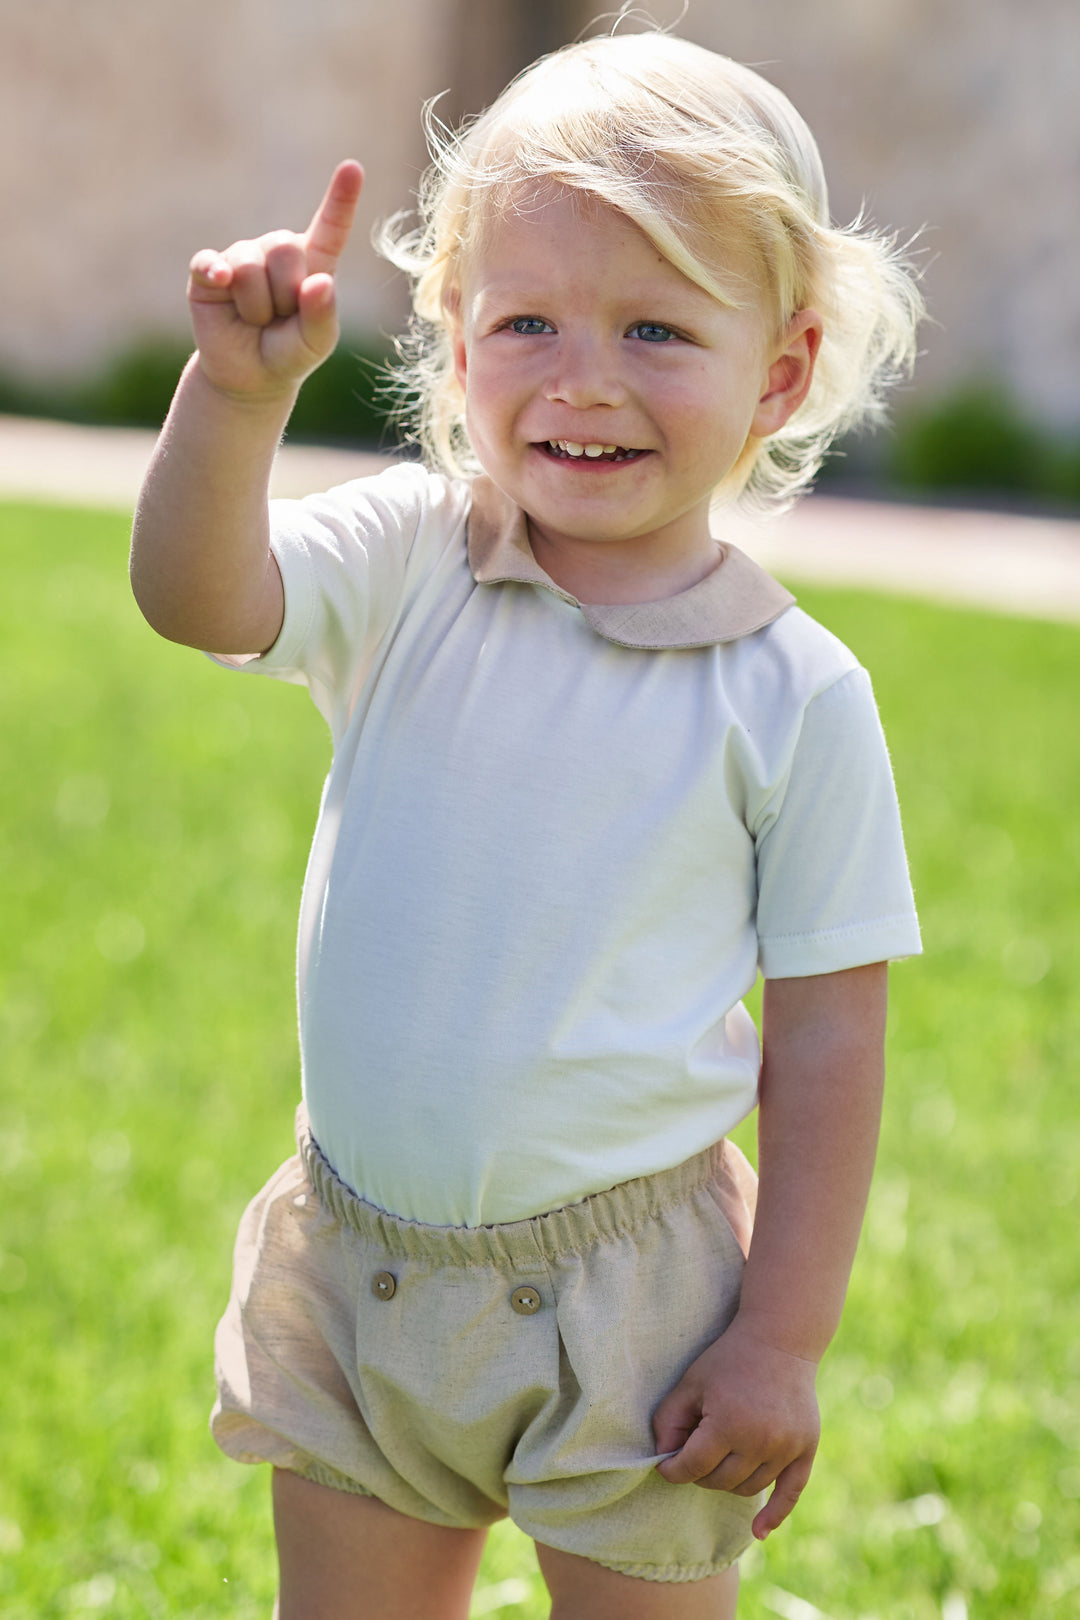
x: 619, y: 1211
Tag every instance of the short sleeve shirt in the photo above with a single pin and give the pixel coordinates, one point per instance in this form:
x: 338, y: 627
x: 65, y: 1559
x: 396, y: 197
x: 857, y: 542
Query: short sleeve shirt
x: 556, y: 845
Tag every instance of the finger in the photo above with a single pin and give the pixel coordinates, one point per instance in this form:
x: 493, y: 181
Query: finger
x: 705, y: 1454
x: 286, y: 267
x: 250, y: 283
x: 730, y: 1473
x: 790, y: 1484
x: 318, y: 314
x: 758, y: 1481
x: 671, y: 1430
x: 332, y: 221
x: 209, y: 275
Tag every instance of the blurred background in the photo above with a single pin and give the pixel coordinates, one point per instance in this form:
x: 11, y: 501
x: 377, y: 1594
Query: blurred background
x: 137, y: 132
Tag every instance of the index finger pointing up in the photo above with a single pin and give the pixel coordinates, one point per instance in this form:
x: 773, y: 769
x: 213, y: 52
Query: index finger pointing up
x: 332, y: 221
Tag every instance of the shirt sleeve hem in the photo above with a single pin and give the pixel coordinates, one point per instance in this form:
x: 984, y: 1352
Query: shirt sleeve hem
x: 798, y: 956
x: 294, y: 565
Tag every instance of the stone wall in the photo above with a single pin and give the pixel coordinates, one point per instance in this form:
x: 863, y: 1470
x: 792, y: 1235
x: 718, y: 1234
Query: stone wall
x: 956, y: 119
x: 135, y: 131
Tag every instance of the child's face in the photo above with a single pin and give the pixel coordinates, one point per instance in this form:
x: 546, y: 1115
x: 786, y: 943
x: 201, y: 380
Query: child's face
x: 574, y: 328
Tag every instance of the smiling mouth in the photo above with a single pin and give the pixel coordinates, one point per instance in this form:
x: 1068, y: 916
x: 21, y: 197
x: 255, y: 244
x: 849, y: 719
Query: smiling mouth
x: 570, y: 450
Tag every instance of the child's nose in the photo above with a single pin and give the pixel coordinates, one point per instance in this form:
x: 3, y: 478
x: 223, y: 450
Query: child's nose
x: 584, y: 375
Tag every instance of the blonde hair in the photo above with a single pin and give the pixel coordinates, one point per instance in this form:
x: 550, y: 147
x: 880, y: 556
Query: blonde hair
x: 697, y: 150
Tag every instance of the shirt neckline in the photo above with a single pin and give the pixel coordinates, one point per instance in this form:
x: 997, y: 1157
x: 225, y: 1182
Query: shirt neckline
x: 735, y: 599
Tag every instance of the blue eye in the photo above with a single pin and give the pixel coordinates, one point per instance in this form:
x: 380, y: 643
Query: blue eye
x: 650, y: 332
x: 529, y: 325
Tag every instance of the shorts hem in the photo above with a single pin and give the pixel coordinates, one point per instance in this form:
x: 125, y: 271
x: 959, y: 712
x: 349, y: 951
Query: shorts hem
x: 320, y: 1474
x: 670, y: 1574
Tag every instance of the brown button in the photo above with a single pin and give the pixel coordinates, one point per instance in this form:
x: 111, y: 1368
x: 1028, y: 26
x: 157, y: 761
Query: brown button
x: 525, y: 1301
x: 383, y: 1285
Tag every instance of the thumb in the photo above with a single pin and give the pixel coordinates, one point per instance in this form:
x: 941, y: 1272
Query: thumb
x: 676, y: 1418
x: 674, y: 1422
x: 317, y: 314
x: 703, y: 1451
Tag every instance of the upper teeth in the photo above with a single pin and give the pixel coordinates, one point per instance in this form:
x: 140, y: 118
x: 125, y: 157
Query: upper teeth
x: 574, y: 449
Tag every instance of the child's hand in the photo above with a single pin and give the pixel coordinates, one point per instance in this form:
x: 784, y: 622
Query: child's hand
x: 264, y: 312
x: 745, y: 1416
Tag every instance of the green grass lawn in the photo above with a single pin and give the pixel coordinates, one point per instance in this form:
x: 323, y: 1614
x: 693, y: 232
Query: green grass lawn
x: 156, y: 816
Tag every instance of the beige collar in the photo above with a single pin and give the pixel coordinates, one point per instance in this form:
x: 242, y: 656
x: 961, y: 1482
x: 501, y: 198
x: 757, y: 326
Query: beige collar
x: 737, y: 598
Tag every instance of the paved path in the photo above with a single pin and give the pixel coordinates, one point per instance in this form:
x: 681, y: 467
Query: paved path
x: 1014, y: 564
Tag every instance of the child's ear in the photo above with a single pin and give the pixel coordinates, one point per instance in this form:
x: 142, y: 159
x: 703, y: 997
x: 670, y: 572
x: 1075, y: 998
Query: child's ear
x: 451, y: 304
x: 457, y: 347
x: 791, y: 371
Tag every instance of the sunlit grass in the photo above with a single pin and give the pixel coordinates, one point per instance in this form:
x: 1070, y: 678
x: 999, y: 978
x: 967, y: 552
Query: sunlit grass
x: 156, y: 816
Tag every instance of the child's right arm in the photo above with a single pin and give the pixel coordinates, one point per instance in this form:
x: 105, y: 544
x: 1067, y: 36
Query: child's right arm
x: 264, y: 317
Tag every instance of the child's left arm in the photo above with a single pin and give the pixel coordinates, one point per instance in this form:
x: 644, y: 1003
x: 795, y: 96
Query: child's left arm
x: 745, y: 1412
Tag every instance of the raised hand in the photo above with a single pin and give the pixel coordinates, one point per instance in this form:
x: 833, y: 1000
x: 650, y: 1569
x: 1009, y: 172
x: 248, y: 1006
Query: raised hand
x: 264, y: 312
x: 744, y: 1416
